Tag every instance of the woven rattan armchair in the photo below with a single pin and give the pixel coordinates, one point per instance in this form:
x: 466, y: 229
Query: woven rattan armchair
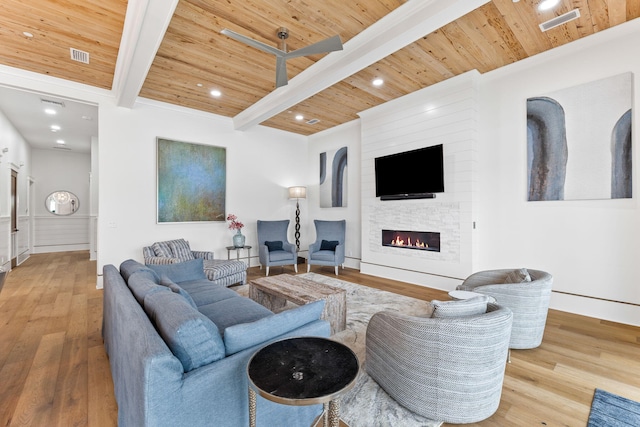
x: 529, y: 301
x: 446, y: 369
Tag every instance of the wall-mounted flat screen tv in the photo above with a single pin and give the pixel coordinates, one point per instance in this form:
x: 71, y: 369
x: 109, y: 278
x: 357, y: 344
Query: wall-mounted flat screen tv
x: 411, y: 174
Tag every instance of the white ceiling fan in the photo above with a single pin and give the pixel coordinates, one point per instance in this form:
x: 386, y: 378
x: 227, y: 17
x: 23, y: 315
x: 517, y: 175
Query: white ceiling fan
x: 324, y: 46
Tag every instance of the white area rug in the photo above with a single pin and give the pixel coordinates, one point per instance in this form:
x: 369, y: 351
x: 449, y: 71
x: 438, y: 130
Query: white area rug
x: 367, y: 405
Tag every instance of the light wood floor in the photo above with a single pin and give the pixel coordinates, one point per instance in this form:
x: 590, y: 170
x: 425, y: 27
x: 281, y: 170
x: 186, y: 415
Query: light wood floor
x: 54, y: 371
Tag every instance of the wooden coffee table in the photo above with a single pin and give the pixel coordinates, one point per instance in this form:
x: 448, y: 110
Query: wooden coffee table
x: 274, y: 292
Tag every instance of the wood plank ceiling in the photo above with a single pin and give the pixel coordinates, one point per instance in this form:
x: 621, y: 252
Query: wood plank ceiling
x: 194, y: 58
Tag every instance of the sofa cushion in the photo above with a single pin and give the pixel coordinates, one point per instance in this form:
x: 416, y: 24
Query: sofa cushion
x: 130, y: 266
x: 518, y: 276
x: 233, y: 311
x: 192, y: 338
x: 165, y: 281
x: 204, y: 292
x: 460, y: 308
x: 141, y: 284
x: 329, y: 245
x: 324, y: 256
x: 181, y: 271
x: 161, y: 249
x: 274, y: 246
x: 180, y: 249
x: 245, y: 335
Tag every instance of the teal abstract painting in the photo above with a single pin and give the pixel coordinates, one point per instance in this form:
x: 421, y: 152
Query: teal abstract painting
x: 192, y: 180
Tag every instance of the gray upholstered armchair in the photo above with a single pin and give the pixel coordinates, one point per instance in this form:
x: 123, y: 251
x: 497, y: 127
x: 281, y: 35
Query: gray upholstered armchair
x: 274, y: 248
x: 447, y: 369
x: 529, y: 300
x: 328, y: 249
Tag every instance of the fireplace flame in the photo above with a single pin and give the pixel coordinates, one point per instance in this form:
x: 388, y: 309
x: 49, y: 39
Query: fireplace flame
x: 400, y: 242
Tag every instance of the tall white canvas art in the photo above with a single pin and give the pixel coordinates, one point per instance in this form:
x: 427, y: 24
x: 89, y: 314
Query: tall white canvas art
x: 579, y: 141
x: 333, y: 178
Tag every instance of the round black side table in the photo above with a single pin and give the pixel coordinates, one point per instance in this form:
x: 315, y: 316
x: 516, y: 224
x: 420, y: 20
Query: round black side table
x: 303, y: 371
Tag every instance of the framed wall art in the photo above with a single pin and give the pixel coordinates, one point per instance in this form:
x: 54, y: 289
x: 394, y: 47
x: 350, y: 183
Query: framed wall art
x: 191, y: 182
x: 579, y: 141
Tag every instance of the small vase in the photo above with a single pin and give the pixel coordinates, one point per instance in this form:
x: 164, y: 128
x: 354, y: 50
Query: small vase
x: 238, y: 240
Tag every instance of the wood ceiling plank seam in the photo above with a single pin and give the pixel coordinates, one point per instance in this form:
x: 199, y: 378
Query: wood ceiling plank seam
x: 160, y: 67
x: 599, y: 16
x: 518, y: 18
x: 504, y: 36
x: 584, y: 23
x: 480, y: 31
x: 421, y: 51
x: 445, y: 52
x: 633, y: 9
x: 398, y: 80
x: 617, y: 12
x: 468, y: 49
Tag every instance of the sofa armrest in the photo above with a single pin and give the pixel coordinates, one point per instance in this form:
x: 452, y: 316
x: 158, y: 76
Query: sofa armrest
x: 159, y: 260
x: 203, y: 254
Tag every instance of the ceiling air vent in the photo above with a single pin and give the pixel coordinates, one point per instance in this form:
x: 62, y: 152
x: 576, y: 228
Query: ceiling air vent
x: 52, y: 103
x: 80, y: 56
x: 313, y: 121
x: 559, y: 20
x: 61, y: 147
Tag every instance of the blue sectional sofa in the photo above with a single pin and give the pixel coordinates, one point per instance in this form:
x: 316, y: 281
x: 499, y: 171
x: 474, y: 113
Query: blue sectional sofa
x: 178, y: 347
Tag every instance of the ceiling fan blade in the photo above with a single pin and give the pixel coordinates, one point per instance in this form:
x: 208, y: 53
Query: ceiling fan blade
x: 253, y: 43
x: 281, y: 72
x: 324, y: 46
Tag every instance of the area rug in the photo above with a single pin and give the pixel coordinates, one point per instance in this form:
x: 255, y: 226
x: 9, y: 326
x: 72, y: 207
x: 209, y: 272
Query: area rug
x: 367, y: 405
x: 610, y: 410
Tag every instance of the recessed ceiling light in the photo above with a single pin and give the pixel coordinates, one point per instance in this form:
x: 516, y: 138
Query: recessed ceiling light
x: 377, y: 82
x: 199, y: 84
x: 548, y: 4
x: 87, y: 118
x: 215, y: 93
x: 59, y: 141
x: 55, y: 128
x: 50, y: 111
x: 299, y: 117
x: 27, y: 34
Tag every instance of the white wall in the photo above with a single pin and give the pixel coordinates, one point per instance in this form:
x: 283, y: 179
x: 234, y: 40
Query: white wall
x: 17, y: 157
x: 591, y: 247
x: 261, y: 164
x: 346, y: 135
x: 56, y: 171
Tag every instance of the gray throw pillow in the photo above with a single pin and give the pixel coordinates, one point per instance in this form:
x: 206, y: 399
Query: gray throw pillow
x: 460, y: 308
x: 181, y: 271
x: 518, y: 276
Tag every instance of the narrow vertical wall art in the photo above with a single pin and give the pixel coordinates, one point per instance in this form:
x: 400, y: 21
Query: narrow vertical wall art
x: 579, y: 142
x: 333, y: 178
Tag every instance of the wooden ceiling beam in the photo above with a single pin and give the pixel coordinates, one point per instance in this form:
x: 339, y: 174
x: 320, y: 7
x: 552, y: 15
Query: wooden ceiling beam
x: 396, y: 30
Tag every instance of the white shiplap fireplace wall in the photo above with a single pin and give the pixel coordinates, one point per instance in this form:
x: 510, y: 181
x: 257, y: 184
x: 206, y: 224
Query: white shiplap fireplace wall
x: 446, y: 114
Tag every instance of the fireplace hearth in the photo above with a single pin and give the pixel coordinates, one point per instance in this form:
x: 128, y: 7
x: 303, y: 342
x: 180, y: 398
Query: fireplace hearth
x: 417, y: 240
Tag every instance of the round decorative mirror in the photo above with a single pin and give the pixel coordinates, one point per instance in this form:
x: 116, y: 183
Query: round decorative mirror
x: 62, y: 203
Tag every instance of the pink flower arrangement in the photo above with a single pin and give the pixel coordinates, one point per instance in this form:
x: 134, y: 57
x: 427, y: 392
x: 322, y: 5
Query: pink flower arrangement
x: 234, y: 224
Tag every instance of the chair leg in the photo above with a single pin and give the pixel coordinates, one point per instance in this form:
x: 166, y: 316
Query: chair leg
x: 267, y: 270
x: 295, y: 267
x: 336, y: 269
x: 308, y: 267
x: 509, y: 356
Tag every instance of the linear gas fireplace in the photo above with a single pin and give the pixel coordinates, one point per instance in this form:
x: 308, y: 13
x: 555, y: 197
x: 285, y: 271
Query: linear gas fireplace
x: 419, y: 240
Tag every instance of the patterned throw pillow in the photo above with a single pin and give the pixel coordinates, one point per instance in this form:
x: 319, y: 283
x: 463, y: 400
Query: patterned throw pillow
x: 180, y: 249
x: 460, y: 308
x: 518, y: 276
x: 161, y: 249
